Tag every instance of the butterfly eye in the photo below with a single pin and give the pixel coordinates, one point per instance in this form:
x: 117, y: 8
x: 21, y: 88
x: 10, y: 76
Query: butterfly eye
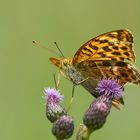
x: 65, y: 64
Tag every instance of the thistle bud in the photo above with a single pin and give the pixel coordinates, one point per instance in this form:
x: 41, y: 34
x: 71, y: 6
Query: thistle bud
x: 95, y: 116
x: 63, y: 127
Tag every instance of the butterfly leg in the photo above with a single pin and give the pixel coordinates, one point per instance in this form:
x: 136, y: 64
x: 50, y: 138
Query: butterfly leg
x: 57, y: 79
x: 73, y: 89
x: 72, y: 97
x: 79, y: 83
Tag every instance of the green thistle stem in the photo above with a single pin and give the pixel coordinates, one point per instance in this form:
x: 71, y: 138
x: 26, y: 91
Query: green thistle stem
x: 83, y: 133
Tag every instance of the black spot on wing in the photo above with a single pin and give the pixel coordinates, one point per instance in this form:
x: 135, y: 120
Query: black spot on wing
x: 124, y: 74
x: 103, y: 41
x: 86, y: 49
x: 116, y: 53
x: 106, y: 48
x: 126, y: 53
x: 102, y: 54
x: 115, y: 47
x: 95, y: 48
x: 124, y: 48
x: 121, y: 63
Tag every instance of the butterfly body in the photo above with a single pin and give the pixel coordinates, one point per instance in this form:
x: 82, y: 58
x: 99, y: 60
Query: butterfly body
x: 101, y: 57
x: 68, y: 70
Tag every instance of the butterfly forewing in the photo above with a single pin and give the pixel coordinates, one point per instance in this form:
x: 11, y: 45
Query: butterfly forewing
x: 115, y: 45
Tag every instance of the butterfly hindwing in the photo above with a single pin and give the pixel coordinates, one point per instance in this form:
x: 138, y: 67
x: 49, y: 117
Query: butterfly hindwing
x: 120, y: 70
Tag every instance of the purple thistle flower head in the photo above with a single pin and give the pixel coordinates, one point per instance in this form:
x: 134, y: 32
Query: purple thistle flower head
x: 53, y: 107
x: 109, y: 87
x: 52, y: 96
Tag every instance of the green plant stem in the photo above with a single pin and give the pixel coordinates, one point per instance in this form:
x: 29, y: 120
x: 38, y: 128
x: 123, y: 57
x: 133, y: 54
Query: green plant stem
x: 83, y: 133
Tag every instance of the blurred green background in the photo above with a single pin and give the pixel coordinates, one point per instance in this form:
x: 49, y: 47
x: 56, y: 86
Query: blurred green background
x: 25, y: 69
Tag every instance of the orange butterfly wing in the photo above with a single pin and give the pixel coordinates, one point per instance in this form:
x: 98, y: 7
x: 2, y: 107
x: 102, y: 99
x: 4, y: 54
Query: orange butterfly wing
x: 123, y: 71
x: 102, y: 56
x: 115, y: 45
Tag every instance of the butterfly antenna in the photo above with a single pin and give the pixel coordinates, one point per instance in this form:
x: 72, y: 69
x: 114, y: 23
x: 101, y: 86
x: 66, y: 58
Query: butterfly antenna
x: 62, y: 55
x: 45, y: 47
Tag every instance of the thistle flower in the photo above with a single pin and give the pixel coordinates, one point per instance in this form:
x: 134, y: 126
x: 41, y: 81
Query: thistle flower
x: 95, y: 116
x: 109, y: 87
x: 52, y: 95
x: 63, y: 127
x: 53, y: 108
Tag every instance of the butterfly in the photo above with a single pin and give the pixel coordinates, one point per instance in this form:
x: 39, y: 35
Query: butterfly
x: 102, y: 56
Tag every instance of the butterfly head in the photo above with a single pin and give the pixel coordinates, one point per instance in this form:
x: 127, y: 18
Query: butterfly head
x: 61, y: 63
